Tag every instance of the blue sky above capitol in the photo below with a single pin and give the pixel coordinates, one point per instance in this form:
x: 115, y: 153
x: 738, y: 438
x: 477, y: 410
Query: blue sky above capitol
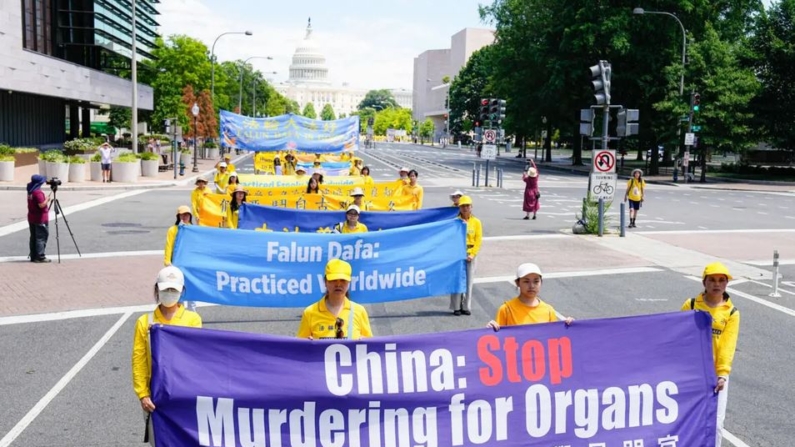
x: 366, y: 44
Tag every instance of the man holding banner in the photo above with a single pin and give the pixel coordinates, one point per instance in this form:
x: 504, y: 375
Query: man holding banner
x: 460, y: 303
x: 351, y: 224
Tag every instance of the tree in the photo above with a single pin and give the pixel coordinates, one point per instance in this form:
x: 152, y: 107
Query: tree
x: 119, y: 117
x: 427, y: 128
x: 392, y: 118
x: 292, y: 107
x: 773, y: 57
x: 378, y: 100
x: 327, y: 114
x: 364, y: 115
x: 468, y: 87
x: 208, y: 123
x: 309, y: 111
x: 191, y: 130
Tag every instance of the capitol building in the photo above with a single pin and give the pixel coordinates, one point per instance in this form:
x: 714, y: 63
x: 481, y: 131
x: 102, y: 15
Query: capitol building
x: 308, y: 82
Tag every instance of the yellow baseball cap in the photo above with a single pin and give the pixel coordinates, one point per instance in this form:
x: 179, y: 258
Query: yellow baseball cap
x: 184, y: 209
x: 716, y: 268
x: 338, y: 269
x: 465, y: 200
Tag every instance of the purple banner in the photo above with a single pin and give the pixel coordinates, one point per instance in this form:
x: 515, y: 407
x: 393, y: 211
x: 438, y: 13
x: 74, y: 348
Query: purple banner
x: 635, y: 381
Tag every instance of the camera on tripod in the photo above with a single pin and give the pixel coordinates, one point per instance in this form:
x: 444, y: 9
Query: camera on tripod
x: 54, y: 183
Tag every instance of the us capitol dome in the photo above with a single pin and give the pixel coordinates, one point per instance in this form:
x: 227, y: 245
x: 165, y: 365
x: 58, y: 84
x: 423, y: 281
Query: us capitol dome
x: 309, y: 63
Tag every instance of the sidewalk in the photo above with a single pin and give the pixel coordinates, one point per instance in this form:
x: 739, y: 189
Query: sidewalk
x: 165, y: 179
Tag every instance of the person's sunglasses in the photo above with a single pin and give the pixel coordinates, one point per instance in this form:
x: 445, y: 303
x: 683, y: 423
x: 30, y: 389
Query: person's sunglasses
x: 338, y: 328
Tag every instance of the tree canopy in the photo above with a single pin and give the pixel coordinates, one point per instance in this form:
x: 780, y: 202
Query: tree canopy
x: 378, y: 100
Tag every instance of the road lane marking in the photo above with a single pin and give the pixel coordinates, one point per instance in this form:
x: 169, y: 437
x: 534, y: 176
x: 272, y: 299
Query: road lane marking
x: 748, y: 296
x: 73, y: 256
x: 733, y: 439
x: 770, y: 287
x: 19, y: 226
x: 769, y: 263
x: 748, y: 231
x: 55, y: 390
x: 558, y: 275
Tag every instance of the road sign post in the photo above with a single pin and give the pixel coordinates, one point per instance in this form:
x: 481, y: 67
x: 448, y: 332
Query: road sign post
x: 489, y: 153
x: 603, y: 186
x: 604, y: 161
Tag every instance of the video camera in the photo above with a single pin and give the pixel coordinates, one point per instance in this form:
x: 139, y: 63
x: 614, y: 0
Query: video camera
x: 54, y: 183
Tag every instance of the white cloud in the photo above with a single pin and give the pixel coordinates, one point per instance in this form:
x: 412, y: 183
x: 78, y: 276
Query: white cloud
x: 373, y: 53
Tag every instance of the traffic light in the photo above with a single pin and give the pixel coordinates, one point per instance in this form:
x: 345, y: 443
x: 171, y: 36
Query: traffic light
x: 484, y: 109
x: 586, y: 122
x: 601, y: 74
x: 494, y: 109
x: 695, y: 102
x: 501, y: 111
x: 627, y: 122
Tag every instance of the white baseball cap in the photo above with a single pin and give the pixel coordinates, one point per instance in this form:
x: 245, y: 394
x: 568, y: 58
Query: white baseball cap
x: 526, y: 269
x: 170, y: 278
x: 222, y: 164
x: 404, y: 170
x: 357, y: 191
x: 353, y: 208
x: 457, y: 192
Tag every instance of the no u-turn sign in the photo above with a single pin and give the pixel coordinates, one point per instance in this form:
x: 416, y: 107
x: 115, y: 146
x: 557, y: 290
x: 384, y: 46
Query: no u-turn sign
x: 604, y: 161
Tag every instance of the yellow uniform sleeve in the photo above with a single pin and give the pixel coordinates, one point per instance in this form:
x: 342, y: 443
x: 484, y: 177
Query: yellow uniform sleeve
x: 686, y: 305
x: 363, y: 321
x: 196, y: 198
x: 475, y: 236
x: 230, y: 167
x: 727, y: 345
x: 502, y: 315
x: 231, y: 218
x: 553, y: 316
x: 419, y: 195
x: 171, y: 236
x: 305, y: 327
x: 140, y: 358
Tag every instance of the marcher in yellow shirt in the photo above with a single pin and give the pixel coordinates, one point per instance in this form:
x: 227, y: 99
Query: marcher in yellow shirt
x: 461, y: 303
x: 404, y: 175
x: 300, y: 173
x: 221, y: 179
x: 197, y: 197
x: 228, y: 160
x: 636, y: 188
x: 184, y: 217
x: 351, y: 224
x: 233, y: 212
x: 527, y: 308
x: 356, y: 167
x: 368, y: 181
x: 413, y: 189
x: 335, y: 315
x: 358, y: 199
x: 169, y: 289
x: 233, y: 183
x: 725, y: 329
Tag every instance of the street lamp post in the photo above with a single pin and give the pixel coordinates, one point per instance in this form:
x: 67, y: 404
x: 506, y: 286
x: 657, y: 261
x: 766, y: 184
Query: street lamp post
x: 641, y: 11
x: 254, y: 94
x: 212, y: 61
x: 240, y: 96
x: 134, y: 76
x: 195, y: 111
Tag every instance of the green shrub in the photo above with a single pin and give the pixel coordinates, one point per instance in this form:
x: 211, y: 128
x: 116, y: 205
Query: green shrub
x: 96, y: 158
x: 148, y: 156
x: 25, y: 150
x: 54, y: 156
x: 210, y: 144
x: 591, y: 219
x: 6, y: 158
x: 128, y: 158
x: 5, y: 150
x: 74, y: 159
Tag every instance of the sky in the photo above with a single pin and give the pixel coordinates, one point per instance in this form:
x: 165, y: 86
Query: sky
x: 368, y: 44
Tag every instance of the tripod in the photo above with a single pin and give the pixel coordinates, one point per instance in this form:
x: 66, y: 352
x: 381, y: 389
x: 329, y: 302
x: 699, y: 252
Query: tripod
x: 58, y: 210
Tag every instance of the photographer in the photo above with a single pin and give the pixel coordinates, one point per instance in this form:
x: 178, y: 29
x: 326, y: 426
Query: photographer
x: 38, y: 218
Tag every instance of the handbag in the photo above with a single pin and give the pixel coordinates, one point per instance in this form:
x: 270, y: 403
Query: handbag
x: 538, y: 195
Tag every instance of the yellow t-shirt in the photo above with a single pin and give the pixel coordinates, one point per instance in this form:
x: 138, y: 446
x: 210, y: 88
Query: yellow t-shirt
x: 171, y: 236
x: 318, y: 322
x: 141, y: 357
x: 474, y: 235
x: 196, y: 199
x: 635, y: 189
x: 368, y: 181
x: 515, y: 312
x: 725, y: 330
x: 221, y: 180
x: 232, y: 217
x: 343, y: 228
x: 417, y: 191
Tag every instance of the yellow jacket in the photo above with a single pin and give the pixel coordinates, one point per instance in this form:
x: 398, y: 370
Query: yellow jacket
x: 417, y: 191
x: 221, y: 180
x: 141, y: 357
x: 474, y: 235
x: 343, y: 228
x: 318, y: 322
x: 231, y: 217
x: 196, y: 199
x: 171, y: 237
x: 368, y: 181
x: 725, y: 329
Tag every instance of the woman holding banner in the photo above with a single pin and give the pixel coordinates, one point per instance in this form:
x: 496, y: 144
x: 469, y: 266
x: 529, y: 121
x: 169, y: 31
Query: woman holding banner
x: 197, y: 196
x: 351, y: 224
x: 725, y: 329
x: 527, y: 308
x: 312, y: 186
x: 413, y: 189
x: 234, y: 182
x: 460, y: 303
x: 168, y: 290
x: 368, y: 181
x: 184, y: 217
x: 233, y: 212
x: 335, y: 316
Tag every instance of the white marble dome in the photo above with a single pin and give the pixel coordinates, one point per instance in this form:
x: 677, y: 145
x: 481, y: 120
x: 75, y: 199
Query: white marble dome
x: 309, y: 63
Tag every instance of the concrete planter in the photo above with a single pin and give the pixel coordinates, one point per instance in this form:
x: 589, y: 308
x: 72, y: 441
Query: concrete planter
x: 149, y: 168
x: 6, y: 171
x: 58, y: 169
x: 43, y: 168
x: 96, y: 171
x: 213, y: 153
x: 125, y: 172
x: 77, y: 172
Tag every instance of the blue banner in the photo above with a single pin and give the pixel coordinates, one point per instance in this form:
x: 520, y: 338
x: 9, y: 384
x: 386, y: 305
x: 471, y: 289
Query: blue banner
x: 276, y: 269
x: 253, y: 217
x: 289, y: 132
x: 636, y: 381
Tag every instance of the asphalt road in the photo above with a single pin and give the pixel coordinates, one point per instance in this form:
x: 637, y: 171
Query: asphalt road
x: 98, y: 408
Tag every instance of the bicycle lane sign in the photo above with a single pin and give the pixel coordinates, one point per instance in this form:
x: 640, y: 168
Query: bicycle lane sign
x: 603, y: 186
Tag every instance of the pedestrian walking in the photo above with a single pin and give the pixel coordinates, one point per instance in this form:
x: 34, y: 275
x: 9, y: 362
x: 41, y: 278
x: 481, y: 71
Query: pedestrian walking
x: 335, y: 316
x: 233, y: 212
x: 636, y: 187
x: 527, y: 307
x: 725, y: 330
x: 38, y: 219
x: 532, y: 195
x: 106, y: 152
x: 351, y: 223
x: 168, y: 289
x: 197, y: 197
x: 461, y: 303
